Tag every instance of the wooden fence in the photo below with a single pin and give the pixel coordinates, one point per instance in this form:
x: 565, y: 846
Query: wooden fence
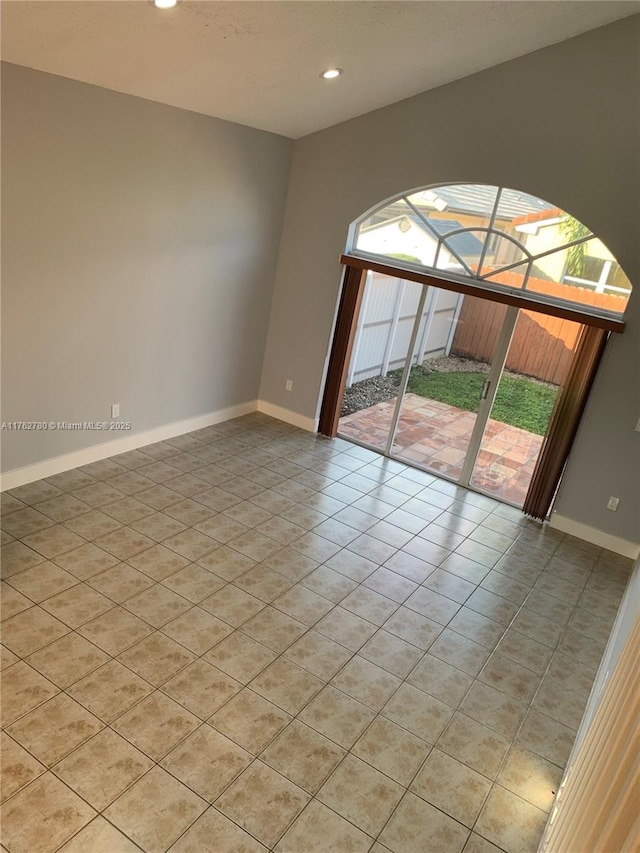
x: 541, y: 346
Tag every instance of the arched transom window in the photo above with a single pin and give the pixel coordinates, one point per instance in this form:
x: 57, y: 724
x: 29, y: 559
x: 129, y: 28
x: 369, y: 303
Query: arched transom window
x: 499, y: 238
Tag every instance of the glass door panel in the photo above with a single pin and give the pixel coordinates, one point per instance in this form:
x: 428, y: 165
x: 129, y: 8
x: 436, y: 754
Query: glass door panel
x: 460, y: 386
x: 383, y: 334
x: 449, y: 384
x: 537, y: 364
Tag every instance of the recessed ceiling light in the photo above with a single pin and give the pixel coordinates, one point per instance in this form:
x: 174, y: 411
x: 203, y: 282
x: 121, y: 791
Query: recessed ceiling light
x: 164, y: 4
x: 331, y: 73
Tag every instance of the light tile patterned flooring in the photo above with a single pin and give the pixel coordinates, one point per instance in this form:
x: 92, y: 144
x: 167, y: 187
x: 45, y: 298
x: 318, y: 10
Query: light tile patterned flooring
x: 436, y: 436
x: 251, y: 638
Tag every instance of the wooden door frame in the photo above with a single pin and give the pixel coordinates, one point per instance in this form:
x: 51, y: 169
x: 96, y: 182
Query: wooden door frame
x: 343, y: 338
x: 355, y: 271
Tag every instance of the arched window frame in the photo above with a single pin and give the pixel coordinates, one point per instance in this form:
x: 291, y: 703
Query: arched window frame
x: 482, y: 281
x: 596, y: 328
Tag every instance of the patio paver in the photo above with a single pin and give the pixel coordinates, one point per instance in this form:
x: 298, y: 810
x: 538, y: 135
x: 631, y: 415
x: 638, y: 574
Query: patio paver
x: 435, y: 435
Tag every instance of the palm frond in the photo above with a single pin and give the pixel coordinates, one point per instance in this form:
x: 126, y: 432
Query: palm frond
x: 572, y: 230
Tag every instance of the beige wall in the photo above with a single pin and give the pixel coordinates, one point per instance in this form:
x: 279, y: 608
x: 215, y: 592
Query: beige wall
x: 140, y: 242
x: 139, y: 250
x: 562, y: 123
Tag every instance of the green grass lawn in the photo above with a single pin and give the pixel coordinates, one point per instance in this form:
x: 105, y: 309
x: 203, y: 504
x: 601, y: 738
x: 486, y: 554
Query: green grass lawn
x: 519, y: 402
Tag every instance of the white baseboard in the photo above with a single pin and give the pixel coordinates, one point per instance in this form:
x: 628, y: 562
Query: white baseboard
x: 595, y: 536
x: 49, y: 467
x: 289, y: 417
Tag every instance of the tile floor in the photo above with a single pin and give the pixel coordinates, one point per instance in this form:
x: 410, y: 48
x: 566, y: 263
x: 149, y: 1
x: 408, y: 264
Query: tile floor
x: 436, y: 435
x: 251, y: 638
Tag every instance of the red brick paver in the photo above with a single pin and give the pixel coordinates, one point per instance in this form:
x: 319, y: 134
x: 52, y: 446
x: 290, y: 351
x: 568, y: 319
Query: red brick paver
x: 435, y: 436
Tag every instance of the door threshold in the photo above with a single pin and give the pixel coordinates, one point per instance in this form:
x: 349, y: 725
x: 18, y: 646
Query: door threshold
x: 439, y: 476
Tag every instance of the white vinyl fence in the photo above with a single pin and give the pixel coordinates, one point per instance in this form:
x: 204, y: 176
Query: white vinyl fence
x: 386, y: 321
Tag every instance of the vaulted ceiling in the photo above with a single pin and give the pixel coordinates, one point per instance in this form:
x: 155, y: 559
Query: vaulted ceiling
x: 258, y: 63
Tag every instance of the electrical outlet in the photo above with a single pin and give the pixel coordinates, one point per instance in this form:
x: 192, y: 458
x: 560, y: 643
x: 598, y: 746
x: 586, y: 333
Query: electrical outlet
x: 288, y: 385
x: 638, y: 426
x: 115, y: 410
x: 612, y: 503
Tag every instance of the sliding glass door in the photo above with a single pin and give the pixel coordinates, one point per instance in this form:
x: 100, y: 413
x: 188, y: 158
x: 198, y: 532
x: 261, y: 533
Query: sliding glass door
x: 388, y: 313
x: 456, y: 385
x: 537, y: 364
x: 446, y: 395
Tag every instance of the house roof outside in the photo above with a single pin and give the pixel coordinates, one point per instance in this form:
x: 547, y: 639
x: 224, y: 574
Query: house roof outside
x: 480, y: 198
x: 541, y: 216
x: 464, y: 244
